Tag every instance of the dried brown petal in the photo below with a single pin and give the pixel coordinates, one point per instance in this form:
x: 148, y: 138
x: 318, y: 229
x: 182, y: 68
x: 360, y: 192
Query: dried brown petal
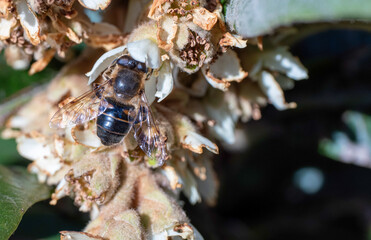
x: 166, y: 32
x: 156, y: 9
x: 204, y: 19
x: 5, y: 5
x: 40, y: 64
x: 230, y: 40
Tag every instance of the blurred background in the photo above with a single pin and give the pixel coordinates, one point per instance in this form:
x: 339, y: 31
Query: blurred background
x: 303, y: 173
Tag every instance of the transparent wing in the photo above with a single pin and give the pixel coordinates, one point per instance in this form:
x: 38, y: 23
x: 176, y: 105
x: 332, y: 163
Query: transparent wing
x: 82, y: 109
x: 147, y: 134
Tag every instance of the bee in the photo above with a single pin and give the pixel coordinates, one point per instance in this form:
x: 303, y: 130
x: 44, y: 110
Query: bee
x: 119, y: 104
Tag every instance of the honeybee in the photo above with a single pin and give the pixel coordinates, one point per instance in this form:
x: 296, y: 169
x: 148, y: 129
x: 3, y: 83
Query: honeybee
x: 119, y: 104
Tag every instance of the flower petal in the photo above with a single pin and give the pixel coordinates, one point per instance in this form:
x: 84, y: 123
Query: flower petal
x: 204, y: 19
x: 86, y: 137
x: 232, y: 40
x: 208, y: 184
x: 145, y: 51
x: 71, y: 235
x: 225, y: 69
x: 165, y: 81
x: 44, y: 156
x: 40, y: 64
x: 95, y: 4
x: 28, y: 21
x: 278, y: 59
x: 150, y: 89
x: 273, y: 91
x: 195, y: 142
x: 172, y: 176
x: 284, y: 62
x: 4, y: 8
x: 17, y: 58
x: 103, y: 62
x: 223, y: 109
x: 6, y: 26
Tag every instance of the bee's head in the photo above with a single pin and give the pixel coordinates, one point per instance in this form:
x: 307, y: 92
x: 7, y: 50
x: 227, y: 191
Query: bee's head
x: 131, y: 63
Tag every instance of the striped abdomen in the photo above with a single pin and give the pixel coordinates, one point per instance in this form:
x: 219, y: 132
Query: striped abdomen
x: 114, y: 123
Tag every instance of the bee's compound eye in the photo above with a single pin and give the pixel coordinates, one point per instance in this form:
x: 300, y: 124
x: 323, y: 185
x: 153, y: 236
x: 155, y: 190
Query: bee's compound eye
x: 142, y: 67
x: 127, y: 61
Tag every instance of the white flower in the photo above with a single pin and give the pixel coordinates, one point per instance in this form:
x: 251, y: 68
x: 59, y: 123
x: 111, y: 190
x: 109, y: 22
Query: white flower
x: 160, y: 83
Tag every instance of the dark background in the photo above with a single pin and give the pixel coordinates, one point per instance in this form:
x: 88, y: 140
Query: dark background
x: 258, y: 198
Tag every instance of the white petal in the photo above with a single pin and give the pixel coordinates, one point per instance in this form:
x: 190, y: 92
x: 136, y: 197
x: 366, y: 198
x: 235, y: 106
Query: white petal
x: 221, y: 108
x: 17, y: 58
x: 95, y: 4
x: 273, y: 91
x: 172, y: 176
x: 150, y: 89
x: 59, y: 192
x: 185, y: 232
x: 282, y: 60
x: 28, y: 21
x: 215, y: 82
x: 189, y: 186
x: 43, y: 154
x: 208, y: 187
x: 165, y: 81
x: 224, y: 129
x: 70, y: 235
x: 228, y: 67
x: 103, y: 62
x: 225, y: 69
x: 32, y: 149
x: 87, y: 137
x: 145, y: 51
x: 6, y: 27
x: 195, y: 142
x: 178, y: 231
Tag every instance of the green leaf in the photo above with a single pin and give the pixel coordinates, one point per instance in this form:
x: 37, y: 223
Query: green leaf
x: 19, y: 190
x: 13, y: 81
x: 251, y: 18
x: 9, y: 153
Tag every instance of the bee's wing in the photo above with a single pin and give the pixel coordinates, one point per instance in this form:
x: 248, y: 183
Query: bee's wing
x: 147, y: 134
x: 82, y: 109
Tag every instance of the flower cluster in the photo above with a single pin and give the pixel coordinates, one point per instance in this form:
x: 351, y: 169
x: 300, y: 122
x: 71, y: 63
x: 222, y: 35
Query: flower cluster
x: 38, y: 29
x: 205, y: 79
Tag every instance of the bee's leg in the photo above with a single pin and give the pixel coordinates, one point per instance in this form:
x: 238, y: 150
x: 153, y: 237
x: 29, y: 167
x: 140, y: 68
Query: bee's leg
x: 149, y: 74
x: 98, y: 93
